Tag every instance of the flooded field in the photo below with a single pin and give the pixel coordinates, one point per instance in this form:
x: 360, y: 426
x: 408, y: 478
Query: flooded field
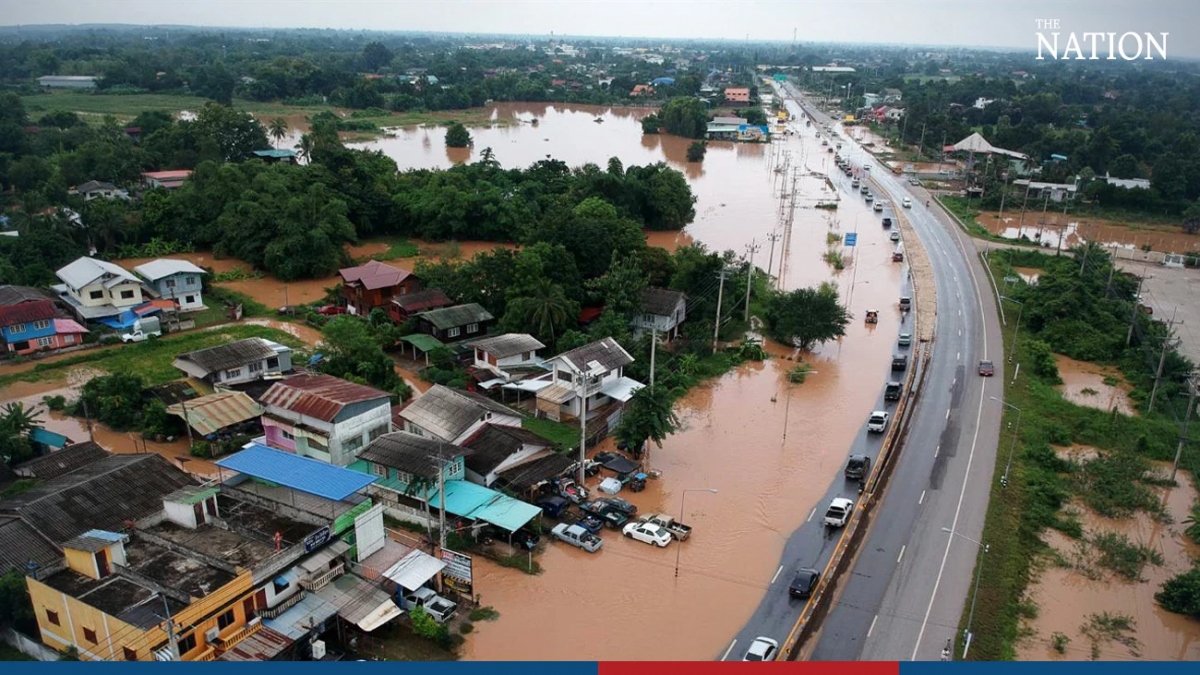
x: 1069, y: 597
x: 1094, y: 386
x: 1054, y: 230
x: 1028, y: 274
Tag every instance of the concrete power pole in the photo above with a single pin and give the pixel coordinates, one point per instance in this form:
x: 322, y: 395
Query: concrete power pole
x: 171, y: 637
x: 750, y: 277
x: 441, y: 498
x: 653, y: 343
x: 1133, y: 311
x: 1183, y: 437
x: 774, y: 237
x: 717, y: 322
x: 1162, y: 359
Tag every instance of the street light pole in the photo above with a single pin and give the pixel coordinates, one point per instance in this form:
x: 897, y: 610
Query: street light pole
x: 967, y: 634
x: 1013, y: 447
x: 682, y: 500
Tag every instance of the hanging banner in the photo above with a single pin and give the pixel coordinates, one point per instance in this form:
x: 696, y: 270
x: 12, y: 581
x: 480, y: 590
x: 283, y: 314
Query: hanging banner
x: 457, y: 574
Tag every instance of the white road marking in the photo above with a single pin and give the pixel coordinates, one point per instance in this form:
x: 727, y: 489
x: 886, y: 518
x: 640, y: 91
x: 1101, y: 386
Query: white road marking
x: 901, y: 556
x: 726, y: 654
x: 958, y: 356
x: 811, y: 514
x: 970, y: 458
x: 777, y: 574
x: 947, y: 413
x: 960, y: 332
x: 936, y: 451
x: 869, y: 629
x: 922, y: 499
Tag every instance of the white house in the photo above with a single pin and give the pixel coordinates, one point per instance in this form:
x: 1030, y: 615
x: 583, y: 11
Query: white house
x: 662, y: 311
x: 94, y: 189
x: 324, y: 417
x: 601, y: 364
x: 1127, y: 183
x: 894, y: 114
x: 236, y: 362
x: 981, y: 103
x: 495, y: 449
x: 98, y: 288
x: 504, y: 354
x: 177, y: 280
x: 452, y: 416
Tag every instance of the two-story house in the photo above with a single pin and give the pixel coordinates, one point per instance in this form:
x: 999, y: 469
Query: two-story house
x: 236, y: 362
x: 505, y: 355
x: 593, y: 373
x: 373, y: 285
x: 96, y: 189
x: 408, y: 464
x: 404, y: 307
x: 29, y: 322
x: 177, y: 280
x: 97, y: 289
x: 452, y: 416
x: 324, y: 417
x: 662, y: 311
x: 495, y: 449
x: 452, y: 324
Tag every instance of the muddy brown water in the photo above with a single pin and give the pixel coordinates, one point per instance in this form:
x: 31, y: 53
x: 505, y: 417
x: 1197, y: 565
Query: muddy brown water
x: 1083, y: 384
x: 1055, y: 230
x: 1067, y: 598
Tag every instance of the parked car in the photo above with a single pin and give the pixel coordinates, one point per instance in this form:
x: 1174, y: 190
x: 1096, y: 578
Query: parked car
x: 553, y: 506
x: 619, y: 504
x: 892, y: 391
x: 895, y: 236
x: 905, y: 303
x: 437, y: 607
x: 577, y: 536
x: 904, y: 340
x: 877, y: 422
x: 838, y: 512
x: 987, y: 368
x: 648, y: 533
x: 907, y: 201
x: 804, y: 583
x: 668, y: 523
x: 331, y: 310
x: 762, y: 649
x: 899, y: 362
x: 587, y: 521
x: 144, y: 329
x: 611, y: 516
x: 914, y: 181
x: 857, y: 467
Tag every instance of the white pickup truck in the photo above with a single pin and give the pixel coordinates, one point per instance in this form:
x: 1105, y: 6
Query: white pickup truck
x: 441, y: 609
x: 144, y: 329
x: 577, y: 536
x: 839, y: 512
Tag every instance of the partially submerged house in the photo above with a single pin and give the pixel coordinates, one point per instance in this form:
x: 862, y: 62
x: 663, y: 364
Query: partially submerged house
x: 452, y: 324
x: 373, y: 285
x: 96, y: 289
x: 237, y: 362
x: 220, y: 414
x: 593, y: 372
x: 324, y: 417
x: 663, y: 311
x: 177, y: 280
x: 504, y: 356
x: 452, y: 416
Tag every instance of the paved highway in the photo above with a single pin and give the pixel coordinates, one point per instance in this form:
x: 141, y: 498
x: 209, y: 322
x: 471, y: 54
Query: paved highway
x: 812, y: 544
x: 912, y: 578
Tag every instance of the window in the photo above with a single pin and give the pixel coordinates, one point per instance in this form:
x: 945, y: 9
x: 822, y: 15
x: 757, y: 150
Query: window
x: 288, y: 435
x: 130, y: 654
x: 230, y: 374
x: 96, y: 295
x: 472, y: 328
x: 45, y: 342
x: 89, y: 635
x: 453, y: 332
x: 377, y: 432
x: 191, y: 281
x: 170, y: 283
x: 68, y: 339
x: 187, y: 644
x: 225, y: 620
x: 564, y: 376
x: 256, y: 367
x: 52, y: 617
x: 19, y: 328
x: 415, y: 430
x: 39, y: 325
x: 352, y: 444
x: 190, y: 299
x: 126, y: 295
x: 379, y: 470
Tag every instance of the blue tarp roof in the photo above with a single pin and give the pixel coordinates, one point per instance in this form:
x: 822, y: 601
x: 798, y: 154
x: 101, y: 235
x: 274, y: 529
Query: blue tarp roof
x: 47, y: 438
x: 296, y: 472
x: 127, y: 318
x: 663, y: 80
x: 468, y: 500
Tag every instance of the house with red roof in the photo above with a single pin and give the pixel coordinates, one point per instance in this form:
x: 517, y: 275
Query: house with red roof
x: 324, y: 417
x: 374, y: 284
x: 29, y: 322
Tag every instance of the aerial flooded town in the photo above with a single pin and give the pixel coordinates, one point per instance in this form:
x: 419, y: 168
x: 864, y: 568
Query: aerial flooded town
x: 388, y: 341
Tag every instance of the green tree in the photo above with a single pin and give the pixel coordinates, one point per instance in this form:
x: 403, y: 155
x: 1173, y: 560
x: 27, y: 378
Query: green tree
x: 1191, y: 218
x: 375, y: 56
x: 695, y: 151
x: 16, y: 608
x: 650, y: 124
x: 278, y: 129
x: 806, y: 317
x: 755, y: 116
x: 685, y: 116
x: 1181, y: 594
x: 546, y: 313
x: 1125, y: 166
x: 620, y: 287
x: 457, y: 136
x: 649, y: 416
x: 116, y: 400
x: 352, y: 350
x: 236, y: 134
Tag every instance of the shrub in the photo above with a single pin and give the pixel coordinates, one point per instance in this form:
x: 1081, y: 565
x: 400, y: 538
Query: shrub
x: 1181, y: 594
x: 695, y: 151
x: 1042, y: 361
x: 56, y: 403
x: 1060, y: 641
x: 484, y: 614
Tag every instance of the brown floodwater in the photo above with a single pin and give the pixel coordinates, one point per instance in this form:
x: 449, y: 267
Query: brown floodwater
x: 1058, y: 231
x: 1029, y: 274
x: 1067, y: 598
x: 733, y: 435
x: 1083, y: 384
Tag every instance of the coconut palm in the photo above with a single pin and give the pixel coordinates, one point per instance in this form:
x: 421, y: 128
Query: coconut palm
x: 305, y: 147
x: 278, y: 129
x: 546, y: 311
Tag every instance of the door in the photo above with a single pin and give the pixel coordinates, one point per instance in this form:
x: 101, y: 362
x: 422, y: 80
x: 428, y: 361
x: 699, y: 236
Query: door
x: 198, y: 510
x: 260, y: 598
x: 102, y: 563
x: 248, y: 606
x: 210, y: 505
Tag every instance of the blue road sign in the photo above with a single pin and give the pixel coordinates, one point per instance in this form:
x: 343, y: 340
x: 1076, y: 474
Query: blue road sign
x: 851, y: 238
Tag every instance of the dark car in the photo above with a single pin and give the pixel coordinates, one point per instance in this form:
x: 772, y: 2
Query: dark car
x: 900, y: 362
x: 987, y: 368
x: 887, y: 222
x: 553, y: 505
x: 618, y: 504
x: 804, y: 583
x: 892, y: 391
x: 858, y: 467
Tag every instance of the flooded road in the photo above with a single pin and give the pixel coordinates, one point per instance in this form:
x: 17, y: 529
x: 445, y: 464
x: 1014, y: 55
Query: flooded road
x: 733, y: 438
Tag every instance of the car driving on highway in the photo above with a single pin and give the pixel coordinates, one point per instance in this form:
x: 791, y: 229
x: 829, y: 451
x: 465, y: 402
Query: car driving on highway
x: 762, y: 649
x: 804, y: 582
x: 877, y: 422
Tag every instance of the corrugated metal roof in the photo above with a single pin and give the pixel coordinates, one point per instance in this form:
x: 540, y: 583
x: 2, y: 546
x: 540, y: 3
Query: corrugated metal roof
x: 12, y: 295
x: 414, y: 570
x: 493, y: 444
x: 410, y: 453
x: 64, y: 461
x: 425, y: 343
x: 21, y: 545
x: 607, y: 352
x: 48, y: 438
x: 355, y: 598
x: 661, y: 301
x: 468, y: 500
x: 524, y: 476
x: 459, y: 315
x: 509, y: 344
x: 209, y: 414
x: 233, y: 355
x: 374, y: 275
x: 84, y: 271
x: 422, y: 300
x: 94, y: 540
x: 319, y: 396
x: 263, y: 645
x: 447, y: 413
x: 165, y: 267
x: 24, y: 312
x: 295, y: 472
x: 299, y: 618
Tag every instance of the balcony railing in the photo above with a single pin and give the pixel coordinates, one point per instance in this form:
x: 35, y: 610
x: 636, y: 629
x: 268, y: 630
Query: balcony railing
x: 230, y: 641
x: 322, y: 580
x: 274, y: 612
x: 209, y: 654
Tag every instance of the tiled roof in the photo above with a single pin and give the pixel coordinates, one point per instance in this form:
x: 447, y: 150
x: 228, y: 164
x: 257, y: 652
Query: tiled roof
x: 447, y: 413
x: 660, y: 301
x: 64, y: 461
x: 509, y: 344
x: 524, y: 476
x: 34, y: 310
x: 232, y: 355
x: 410, y: 453
x: 374, y: 274
x: 420, y: 301
x: 493, y: 444
x: 319, y: 396
x: 606, y: 352
x: 102, y: 495
x: 459, y: 315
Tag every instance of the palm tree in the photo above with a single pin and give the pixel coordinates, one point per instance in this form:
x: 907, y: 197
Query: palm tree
x: 17, y: 419
x: 546, y: 311
x: 1192, y: 524
x: 305, y: 147
x: 278, y: 129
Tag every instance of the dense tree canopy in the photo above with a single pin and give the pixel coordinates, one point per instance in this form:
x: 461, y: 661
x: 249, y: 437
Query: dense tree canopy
x: 806, y: 317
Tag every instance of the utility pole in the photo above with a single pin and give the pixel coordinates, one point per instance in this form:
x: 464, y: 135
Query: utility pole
x: 187, y: 422
x: 653, y: 343
x: 582, y: 426
x: 88, y: 419
x: 1133, y: 310
x: 774, y: 236
x: 750, y: 276
x: 717, y: 322
x: 1183, y: 437
x: 1162, y: 359
x: 441, y: 469
x: 1003, y: 194
x: 171, y: 637
x: 921, y: 143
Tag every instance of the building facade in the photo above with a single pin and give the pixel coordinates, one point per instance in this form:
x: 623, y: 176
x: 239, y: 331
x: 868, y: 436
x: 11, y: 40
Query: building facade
x: 177, y: 280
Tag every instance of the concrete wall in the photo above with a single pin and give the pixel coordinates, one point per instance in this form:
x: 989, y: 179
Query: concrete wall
x: 73, y: 617
x: 26, y: 646
x: 108, y: 296
x: 350, y: 435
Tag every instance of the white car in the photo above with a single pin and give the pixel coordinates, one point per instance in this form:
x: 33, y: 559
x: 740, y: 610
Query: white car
x: 762, y: 649
x: 907, y: 203
x: 877, y: 422
x: 878, y: 206
x: 866, y: 167
x: 648, y: 533
x: 839, y: 512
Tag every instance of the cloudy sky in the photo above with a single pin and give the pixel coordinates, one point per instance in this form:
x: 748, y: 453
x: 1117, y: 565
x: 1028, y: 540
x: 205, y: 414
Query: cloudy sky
x: 990, y: 23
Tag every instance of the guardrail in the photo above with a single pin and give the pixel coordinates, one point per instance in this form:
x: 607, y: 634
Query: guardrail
x: 859, y: 524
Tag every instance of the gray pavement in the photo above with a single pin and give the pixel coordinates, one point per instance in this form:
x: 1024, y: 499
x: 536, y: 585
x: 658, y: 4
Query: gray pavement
x: 1172, y: 291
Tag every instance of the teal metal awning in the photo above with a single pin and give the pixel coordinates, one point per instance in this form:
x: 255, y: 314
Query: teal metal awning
x: 468, y: 500
x: 425, y: 343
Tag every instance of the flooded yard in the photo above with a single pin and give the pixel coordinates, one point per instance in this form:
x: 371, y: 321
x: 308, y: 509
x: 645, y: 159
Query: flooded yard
x: 1055, y: 230
x: 1094, y: 386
